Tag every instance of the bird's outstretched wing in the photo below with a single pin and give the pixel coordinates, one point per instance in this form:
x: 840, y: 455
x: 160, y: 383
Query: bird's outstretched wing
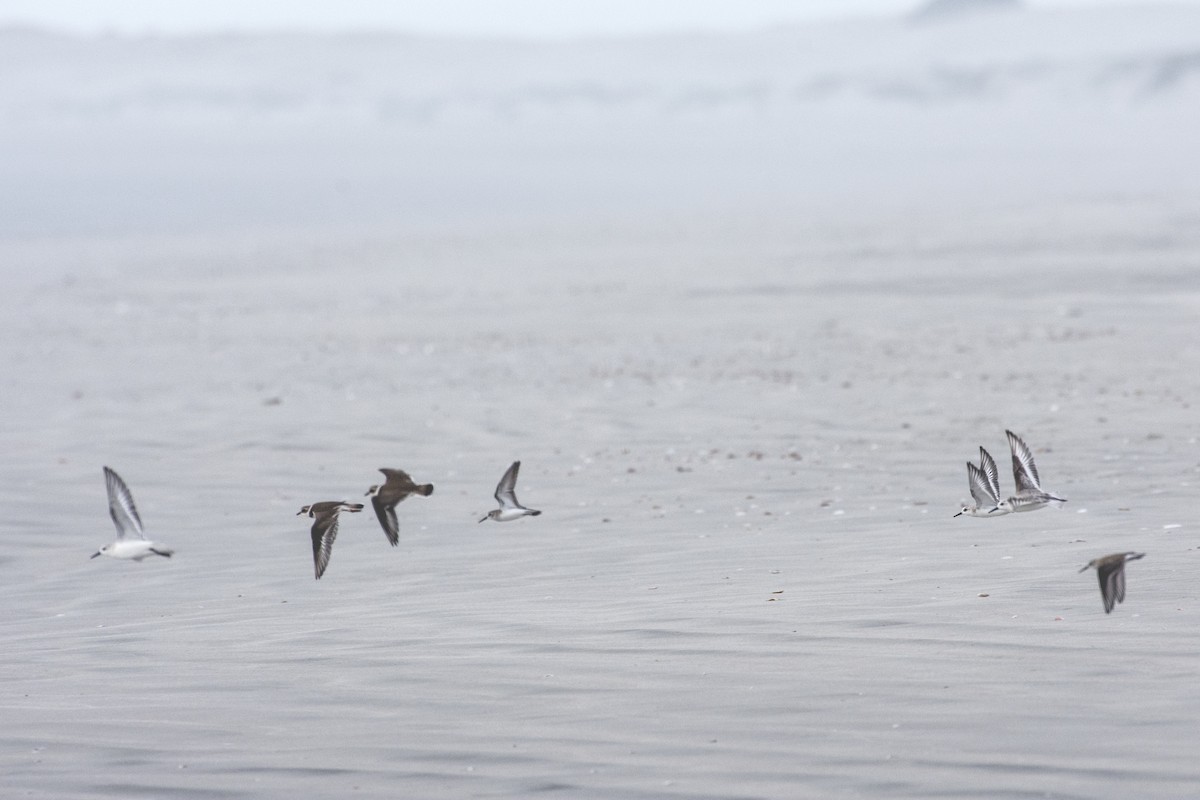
x: 1024, y: 470
x: 324, y: 531
x: 506, y: 490
x: 120, y: 506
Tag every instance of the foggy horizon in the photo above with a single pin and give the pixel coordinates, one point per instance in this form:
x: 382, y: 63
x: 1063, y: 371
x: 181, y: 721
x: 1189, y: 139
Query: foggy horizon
x: 532, y: 19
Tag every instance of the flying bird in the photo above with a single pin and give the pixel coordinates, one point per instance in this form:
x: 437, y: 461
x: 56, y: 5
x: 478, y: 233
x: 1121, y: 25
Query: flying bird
x: 506, y: 496
x: 1029, y: 495
x: 384, y: 497
x: 1111, y: 572
x: 984, y: 481
x: 130, y: 543
x: 325, y: 528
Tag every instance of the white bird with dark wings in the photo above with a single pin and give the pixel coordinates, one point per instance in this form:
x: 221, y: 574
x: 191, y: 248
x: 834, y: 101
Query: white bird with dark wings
x: 984, y: 482
x: 131, y: 542
x: 506, y: 496
x: 1029, y: 495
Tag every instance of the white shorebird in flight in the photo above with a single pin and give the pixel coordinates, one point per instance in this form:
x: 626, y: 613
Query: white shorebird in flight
x: 1111, y: 571
x: 384, y: 497
x: 325, y: 528
x: 506, y: 496
x: 1029, y: 495
x: 130, y: 543
x: 984, y: 481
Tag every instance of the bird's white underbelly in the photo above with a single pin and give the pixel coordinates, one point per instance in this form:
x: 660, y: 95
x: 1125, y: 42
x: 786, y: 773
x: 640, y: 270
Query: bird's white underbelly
x: 136, y: 550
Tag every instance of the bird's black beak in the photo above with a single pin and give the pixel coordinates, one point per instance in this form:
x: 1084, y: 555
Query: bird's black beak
x: 1085, y: 568
x: 959, y: 514
x: 93, y: 555
x: 997, y: 508
x: 483, y: 520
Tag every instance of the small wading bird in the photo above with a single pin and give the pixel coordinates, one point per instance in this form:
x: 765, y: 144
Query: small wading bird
x: 324, y: 529
x: 506, y: 496
x: 385, y: 496
x: 130, y: 542
x: 1111, y: 571
x: 984, y: 481
x: 1029, y: 495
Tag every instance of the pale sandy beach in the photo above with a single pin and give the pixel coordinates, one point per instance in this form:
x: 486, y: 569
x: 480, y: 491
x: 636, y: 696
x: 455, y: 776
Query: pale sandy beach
x: 745, y: 413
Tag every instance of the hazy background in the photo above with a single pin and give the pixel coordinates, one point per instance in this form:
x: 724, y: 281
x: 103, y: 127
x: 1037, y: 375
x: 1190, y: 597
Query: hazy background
x: 520, y: 18
x: 210, y: 129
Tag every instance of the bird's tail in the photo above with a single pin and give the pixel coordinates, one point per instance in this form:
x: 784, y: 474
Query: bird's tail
x: 162, y: 552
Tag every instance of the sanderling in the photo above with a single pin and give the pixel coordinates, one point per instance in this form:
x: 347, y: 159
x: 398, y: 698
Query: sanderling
x: 1111, y: 571
x: 324, y: 530
x: 506, y: 495
x: 129, y: 524
x: 984, y: 481
x: 384, y: 498
x: 1029, y: 495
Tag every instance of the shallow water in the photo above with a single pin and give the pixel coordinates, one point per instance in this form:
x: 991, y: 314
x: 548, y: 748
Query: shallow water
x: 748, y: 442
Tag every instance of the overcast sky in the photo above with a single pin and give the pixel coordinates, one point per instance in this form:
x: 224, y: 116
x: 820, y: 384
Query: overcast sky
x: 538, y: 18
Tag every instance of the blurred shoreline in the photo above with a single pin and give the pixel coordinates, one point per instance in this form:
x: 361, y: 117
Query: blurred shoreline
x: 114, y: 136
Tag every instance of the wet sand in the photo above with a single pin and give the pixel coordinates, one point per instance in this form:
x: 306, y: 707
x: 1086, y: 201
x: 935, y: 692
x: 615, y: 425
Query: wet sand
x: 746, y: 582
